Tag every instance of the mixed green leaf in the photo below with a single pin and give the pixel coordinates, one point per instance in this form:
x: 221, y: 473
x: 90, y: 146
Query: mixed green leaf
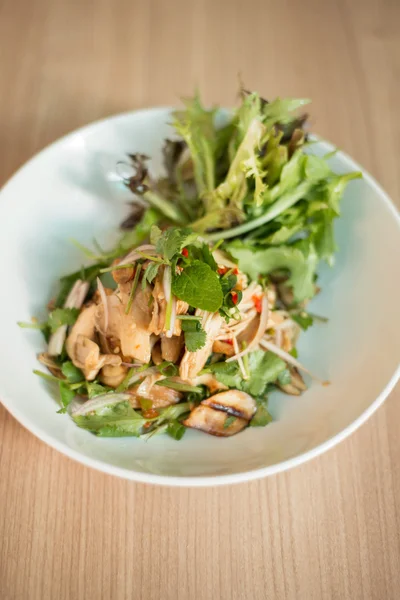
x: 248, y: 183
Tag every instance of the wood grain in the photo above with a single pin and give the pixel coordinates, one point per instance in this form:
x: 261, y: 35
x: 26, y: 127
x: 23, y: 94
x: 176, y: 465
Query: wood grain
x: 326, y: 530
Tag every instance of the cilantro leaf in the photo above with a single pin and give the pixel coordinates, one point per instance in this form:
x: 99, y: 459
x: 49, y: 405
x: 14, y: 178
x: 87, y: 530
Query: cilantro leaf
x: 229, y: 421
x: 195, y: 336
x: 66, y: 394
x: 71, y: 372
x: 227, y: 373
x: 264, y: 368
x: 303, y: 319
x: 261, y: 418
x: 199, y: 286
x: 284, y: 377
x: 176, y: 430
x: 96, y: 389
x: 62, y: 316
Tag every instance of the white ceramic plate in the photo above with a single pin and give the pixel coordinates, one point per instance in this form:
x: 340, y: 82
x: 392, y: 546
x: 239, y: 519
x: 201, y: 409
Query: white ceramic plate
x: 69, y: 190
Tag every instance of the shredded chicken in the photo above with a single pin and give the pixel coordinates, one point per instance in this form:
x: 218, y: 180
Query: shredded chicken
x: 193, y: 362
x: 157, y: 324
x: 211, y: 382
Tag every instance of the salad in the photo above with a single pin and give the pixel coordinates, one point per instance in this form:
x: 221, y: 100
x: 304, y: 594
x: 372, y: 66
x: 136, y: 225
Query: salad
x: 193, y: 318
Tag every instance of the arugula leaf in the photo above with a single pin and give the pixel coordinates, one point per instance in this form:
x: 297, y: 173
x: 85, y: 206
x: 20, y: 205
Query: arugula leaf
x: 180, y: 387
x: 72, y: 373
x: 261, y: 418
x: 199, y: 286
x: 195, y: 336
x: 300, y: 259
x: 62, y: 316
x: 140, y: 232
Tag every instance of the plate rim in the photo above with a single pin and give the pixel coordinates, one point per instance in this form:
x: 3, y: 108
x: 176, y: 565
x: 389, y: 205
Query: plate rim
x: 201, y: 480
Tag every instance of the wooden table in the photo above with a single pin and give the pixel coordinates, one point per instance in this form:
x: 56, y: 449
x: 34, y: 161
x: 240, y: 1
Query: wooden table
x: 328, y: 529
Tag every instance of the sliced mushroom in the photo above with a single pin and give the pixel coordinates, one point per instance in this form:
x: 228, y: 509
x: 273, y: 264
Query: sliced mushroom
x: 211, y: 382
x: 49, y: 362
x: 296, y: 385
x: 113, y: 375
x: 85, y: 355
x: 122, y: 275
x: 156, y: 353
x: 213, y: 421
x: 233, y: 402
x: 221, y: 347
x: 193, y: 362
x: 84, y: 325
x: 171, y: 348
x: 160, y: 396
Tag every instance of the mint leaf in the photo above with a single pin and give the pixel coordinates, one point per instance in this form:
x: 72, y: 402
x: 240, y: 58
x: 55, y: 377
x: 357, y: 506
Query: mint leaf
x: 150, y: 272
x: 71, y: 372
x: 172, y: 240
x: 199, y: 286
x: 195, y: 336
x: 62, y: 316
